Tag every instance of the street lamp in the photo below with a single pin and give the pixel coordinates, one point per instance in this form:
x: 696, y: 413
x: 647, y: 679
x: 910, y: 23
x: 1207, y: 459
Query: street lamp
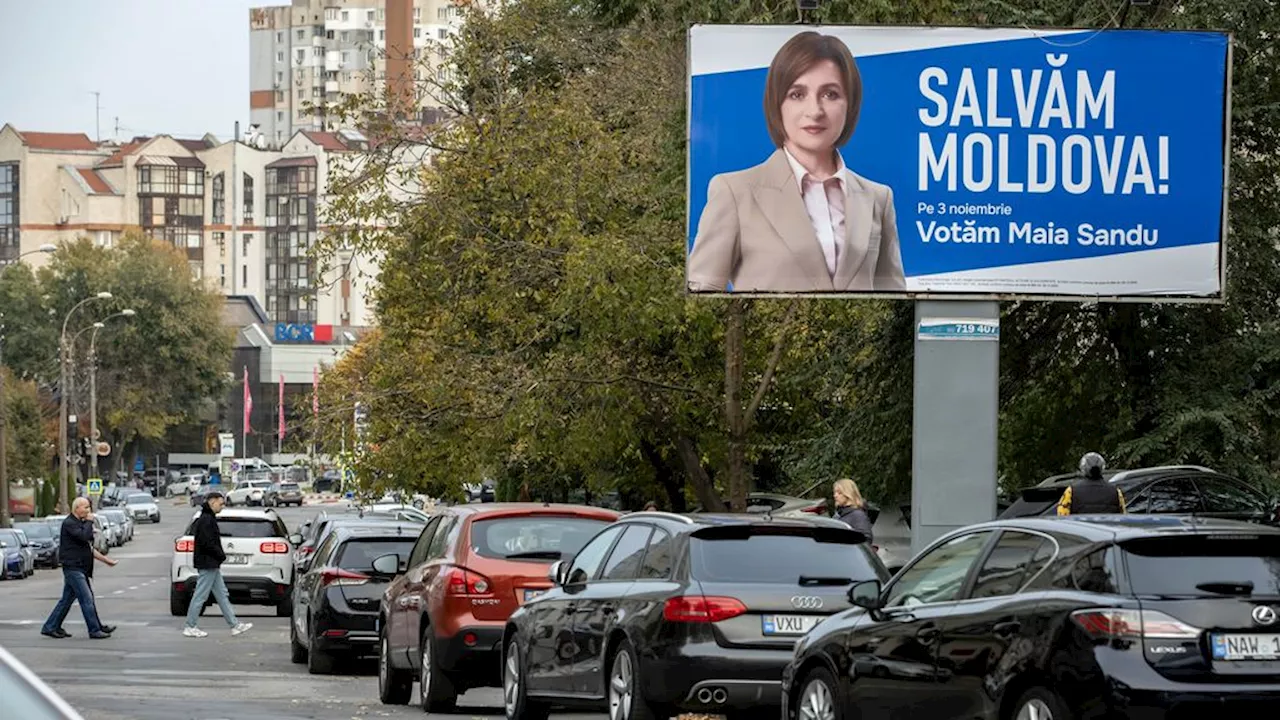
x: 63, y: 490
x: 46, y: 249
x: 93, y: 384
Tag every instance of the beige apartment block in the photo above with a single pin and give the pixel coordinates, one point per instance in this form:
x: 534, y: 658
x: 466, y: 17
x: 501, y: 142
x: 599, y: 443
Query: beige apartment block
x: 305, y: 57
x: 246, y: 218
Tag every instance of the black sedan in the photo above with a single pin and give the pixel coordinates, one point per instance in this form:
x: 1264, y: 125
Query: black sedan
x: 335, y: 602
x: 663, y: 613
x: 1065, y: 619
x: 44, y: 541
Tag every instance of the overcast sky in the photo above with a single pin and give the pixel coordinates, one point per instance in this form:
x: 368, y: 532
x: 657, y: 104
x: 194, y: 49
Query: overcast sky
x: 174, y: 66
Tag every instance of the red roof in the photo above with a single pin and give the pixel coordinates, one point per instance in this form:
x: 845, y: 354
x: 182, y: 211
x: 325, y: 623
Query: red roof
x: 95, y: 181
x: 58, y: 141
x: 327, y: 140
x: 127, y: 149
x: 194, y: 145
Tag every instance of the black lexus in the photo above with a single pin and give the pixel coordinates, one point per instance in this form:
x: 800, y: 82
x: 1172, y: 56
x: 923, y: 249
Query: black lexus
x: 1082, y: 618
x: 662, y: 613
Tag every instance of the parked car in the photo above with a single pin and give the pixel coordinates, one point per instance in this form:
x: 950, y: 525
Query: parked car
x: 329, y: 481
x: 142, y: 506
x: 154, y: 480
x: 1170, y: 490
x: 26, y: 696
x: 248, y: 492
x: 101, y: 534
x: 335, y: 603
x: 121, y: 521
x: 283, y: 493
x: 200, y: 495
x: 257, y: 571
x: 1089, y: 617
x: 44, y: 542
x: 17, y: 563
x: 442, y: 620
x: 114, y: 495
x: 661, y: 614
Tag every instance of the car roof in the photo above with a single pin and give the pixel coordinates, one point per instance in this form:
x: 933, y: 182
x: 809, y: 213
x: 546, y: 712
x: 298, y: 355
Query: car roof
x: 244, y: 513
x: 1132, y: 476
x: 1120, y: 528
x: 377, y: 529
x: 688, y: 522
x: 484, y: 511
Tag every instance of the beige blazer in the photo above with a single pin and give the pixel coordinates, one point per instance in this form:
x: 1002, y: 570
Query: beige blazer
x: 756, y: 234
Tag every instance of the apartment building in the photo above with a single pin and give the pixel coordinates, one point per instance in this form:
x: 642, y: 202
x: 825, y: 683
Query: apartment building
x: 305, y: 57
x: 245, y: 217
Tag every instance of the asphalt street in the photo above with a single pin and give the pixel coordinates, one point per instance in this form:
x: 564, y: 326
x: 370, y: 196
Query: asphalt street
x: 149, y: 671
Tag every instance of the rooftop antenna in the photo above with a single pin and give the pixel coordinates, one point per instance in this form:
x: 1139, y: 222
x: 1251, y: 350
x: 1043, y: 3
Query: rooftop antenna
x: 97, y: 115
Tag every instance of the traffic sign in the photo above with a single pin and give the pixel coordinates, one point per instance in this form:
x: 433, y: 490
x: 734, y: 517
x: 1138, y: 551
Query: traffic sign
x: 226, y: 445
x: 95, y: 486
x: 104, y: 449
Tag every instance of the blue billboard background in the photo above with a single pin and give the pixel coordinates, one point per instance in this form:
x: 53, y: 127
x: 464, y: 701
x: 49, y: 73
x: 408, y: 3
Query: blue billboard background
x: 1166, y: 84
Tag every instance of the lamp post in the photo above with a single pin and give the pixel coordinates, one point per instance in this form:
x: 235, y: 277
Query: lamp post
x: 4, y: 410
x: 93, y: 384
x: 63, y: 450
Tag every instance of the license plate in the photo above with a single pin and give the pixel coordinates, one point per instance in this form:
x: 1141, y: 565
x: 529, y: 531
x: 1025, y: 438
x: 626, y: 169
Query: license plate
x: 237, y: 559
x: 788, y: 624
x: 1246, y: 647
x: 531, y: 594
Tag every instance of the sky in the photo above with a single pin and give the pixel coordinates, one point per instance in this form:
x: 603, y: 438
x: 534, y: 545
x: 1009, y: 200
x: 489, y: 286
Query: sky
x: 179, y: 67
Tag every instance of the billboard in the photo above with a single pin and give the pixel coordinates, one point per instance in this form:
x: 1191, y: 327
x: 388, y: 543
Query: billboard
x: 22, y: 500
x: 957, y: 162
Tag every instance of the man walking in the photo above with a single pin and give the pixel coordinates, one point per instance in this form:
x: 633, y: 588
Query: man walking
x: 208, y: 556
x: 77, y: 555
x: 1092, y: 494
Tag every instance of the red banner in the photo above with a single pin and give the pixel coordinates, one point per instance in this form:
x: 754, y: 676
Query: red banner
x: 248, y: 402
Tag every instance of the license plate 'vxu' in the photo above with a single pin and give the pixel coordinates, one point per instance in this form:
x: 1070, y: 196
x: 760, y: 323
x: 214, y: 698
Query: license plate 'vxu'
x: 788, y: 624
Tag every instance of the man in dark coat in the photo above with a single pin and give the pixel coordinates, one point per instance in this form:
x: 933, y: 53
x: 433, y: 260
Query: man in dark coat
x: 207, y: 558
x: 77, y: 555
x: 1092, y: 494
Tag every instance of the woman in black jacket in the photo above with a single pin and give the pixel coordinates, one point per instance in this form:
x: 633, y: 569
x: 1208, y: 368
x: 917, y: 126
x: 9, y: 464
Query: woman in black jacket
x: 851, y: 509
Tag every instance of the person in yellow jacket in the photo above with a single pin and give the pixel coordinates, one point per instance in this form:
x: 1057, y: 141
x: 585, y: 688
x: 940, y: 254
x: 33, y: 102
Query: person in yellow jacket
x: 1091, y: 494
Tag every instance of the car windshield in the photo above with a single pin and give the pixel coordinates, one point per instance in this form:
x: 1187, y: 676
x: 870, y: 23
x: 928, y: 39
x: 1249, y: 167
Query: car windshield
x: 1205, y: 566
x: 140, y: 499
x: 40, y: 531
x: 775, y: 558
x: 358, y: 554
x: 289, y: 486
x: 545, y: 536
x: 9, y: 539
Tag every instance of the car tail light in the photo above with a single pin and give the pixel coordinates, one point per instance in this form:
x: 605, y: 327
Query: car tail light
x: 1116, y: 624
x: 701, y: 608
x: 819, y: 509
x: 273, y: 548
x: 338, y: 576
x: 465, y: 582
x: 306, y: 549
x: 184, y: 545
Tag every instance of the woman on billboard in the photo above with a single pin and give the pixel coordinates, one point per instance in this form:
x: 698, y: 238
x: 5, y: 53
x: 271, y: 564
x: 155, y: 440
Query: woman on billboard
x: 801, y: 221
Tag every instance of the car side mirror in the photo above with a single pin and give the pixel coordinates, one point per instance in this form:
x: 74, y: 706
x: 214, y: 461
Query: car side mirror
x: 557, y: 571
x: 295, y: 539
x: 866, y: 594
x: 388, y: 564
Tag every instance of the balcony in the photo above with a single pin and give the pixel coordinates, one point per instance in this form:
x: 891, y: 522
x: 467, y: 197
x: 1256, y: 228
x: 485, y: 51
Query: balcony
x: 331, y: 86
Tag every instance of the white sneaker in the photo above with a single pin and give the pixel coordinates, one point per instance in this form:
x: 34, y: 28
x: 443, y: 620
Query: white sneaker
x: 194, y: 632
x: 242, y: 627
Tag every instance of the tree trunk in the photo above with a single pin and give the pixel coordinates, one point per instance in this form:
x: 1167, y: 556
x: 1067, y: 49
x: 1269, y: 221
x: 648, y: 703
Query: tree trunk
x: 734, y: 341
x: 703, y: 488
x: 666, y: 476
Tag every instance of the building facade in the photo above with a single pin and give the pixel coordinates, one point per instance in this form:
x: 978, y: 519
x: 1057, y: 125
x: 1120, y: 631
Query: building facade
x: 305, y: 57
x: 246, y: 218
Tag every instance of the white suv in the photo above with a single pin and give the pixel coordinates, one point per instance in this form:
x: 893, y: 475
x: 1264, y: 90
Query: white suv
x: 248, y: 492
x: 259, y: 565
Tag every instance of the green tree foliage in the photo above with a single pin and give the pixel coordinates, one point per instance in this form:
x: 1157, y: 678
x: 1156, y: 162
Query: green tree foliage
x: 535, y: 331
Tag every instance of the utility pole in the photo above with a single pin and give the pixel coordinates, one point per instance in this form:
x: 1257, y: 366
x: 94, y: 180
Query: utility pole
x: 4, y: 439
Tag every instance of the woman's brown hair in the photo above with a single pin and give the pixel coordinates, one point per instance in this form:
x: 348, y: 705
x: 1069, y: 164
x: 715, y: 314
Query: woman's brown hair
x: 794, y: 59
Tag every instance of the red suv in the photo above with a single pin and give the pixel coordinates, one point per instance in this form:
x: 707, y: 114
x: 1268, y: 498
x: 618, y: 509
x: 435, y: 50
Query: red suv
x: 441, y: 621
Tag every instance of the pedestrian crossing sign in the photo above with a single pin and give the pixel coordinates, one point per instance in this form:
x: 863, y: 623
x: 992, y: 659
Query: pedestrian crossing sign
x: 95, y: 486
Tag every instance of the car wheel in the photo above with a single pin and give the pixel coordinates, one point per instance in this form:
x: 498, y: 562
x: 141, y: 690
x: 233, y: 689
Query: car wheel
x: 318, y: 661
x: 625, y: 701
x: 297, y: 653
x: 437, y: 691
x: 817, y: 699
x: 284, y: 608
x: 395, y: 687
x: 178, y: 603
x: 1041, y: 704
x: 515, y: 700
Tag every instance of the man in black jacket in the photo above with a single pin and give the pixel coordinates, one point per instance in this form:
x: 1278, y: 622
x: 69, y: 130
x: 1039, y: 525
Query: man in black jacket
x: 207, y: 557
x: 77, y: 556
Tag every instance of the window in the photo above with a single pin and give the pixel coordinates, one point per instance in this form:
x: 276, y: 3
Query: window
x: 442, y: 34
x: 1092, y: 573
x: 417, y: 32
x: 248, y: 197
x: 1176, y: 496
x: 588, y: 560
x: 280, y: 38
x: 538, y: 537
x: 419, y: 554
x: 10, y: 227
x: 302, y: 34
x: 317, y: 52
x: 279, y: 96
x: 301, y: 55
x: 346, y: 57
x: 382, y: 15
x: 1196, y: 566
x: 279, y: 116
x: 279, y: 76
x: 382, y: 34
x: 442, y: 14
x: 624, y: 561
x: 344, y: 36
x: 417, y: 14
x: 222, y: 275
x: 346, y: 16
x: 358, y: 554
x: 657, y: 560
x: 244, y: 276
x: 1014, y: 559
x: 1226, y: 496
x: 280, y: 57
x: 245, y: 246
x: 246, y: 528
x: 743, y: 555
x: 328, y: 35
x: 302, y: 93
x: 939, y: 575
x: 440, y: 543
x: 331, y: 13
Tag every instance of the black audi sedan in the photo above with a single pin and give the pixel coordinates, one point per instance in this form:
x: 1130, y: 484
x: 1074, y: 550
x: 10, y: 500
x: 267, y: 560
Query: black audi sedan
x: 1082, y: 618
x: 662, y: 613
x: 335, y: 602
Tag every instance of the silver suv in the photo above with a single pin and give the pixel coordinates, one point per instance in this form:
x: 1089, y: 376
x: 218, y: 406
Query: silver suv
x: 259, y: 565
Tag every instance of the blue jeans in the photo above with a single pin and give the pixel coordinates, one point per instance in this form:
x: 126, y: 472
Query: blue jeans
x: 75, y: 588
x: 210, y: 581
